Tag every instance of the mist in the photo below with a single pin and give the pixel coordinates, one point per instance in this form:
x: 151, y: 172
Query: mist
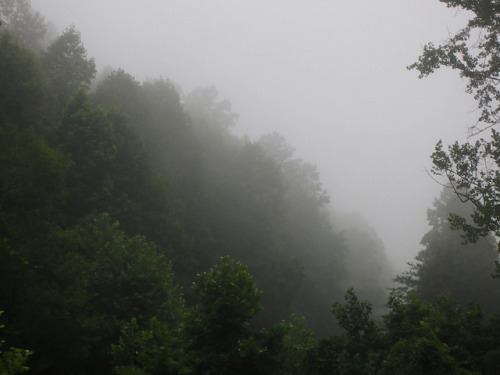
x: 329, y: 76
x: 228, y: 187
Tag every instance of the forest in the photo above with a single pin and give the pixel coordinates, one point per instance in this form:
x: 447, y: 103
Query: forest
x: 140, y: 236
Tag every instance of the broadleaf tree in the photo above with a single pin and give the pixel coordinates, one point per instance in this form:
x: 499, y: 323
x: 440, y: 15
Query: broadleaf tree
x: 472, y: 169
x: 24, y: 23
x: 220, y: 338
x: 67, y: 65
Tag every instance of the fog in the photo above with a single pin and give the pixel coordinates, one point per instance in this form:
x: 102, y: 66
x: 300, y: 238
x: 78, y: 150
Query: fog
x: 328, y: 75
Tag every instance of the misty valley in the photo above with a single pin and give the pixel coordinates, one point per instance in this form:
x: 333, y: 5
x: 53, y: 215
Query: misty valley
x: 140, y: 235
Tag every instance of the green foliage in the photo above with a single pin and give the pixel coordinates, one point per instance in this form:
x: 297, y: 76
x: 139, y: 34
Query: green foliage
x: 125, y: 277
x: 86, y: 283
x: 296, y: 341
x: 324, y: 358
x: 219, y: 338
x: 278, y: 350
x: 440, y: 336
x: 355, y: 317
x: 369, y: 270
x: 88, y: 137
x: 472, y: 168
x: 156, y: 350
x: 315, y: 252
x: 490, y: 360
x: 130, y: 277
x: 472, y: 171
x: 358, y: 351
x: 25, y: 98
x: 422, y: 355
x: 228, y: 295
x: 111, y: 171
x: 447, y: 265
x: 26, y: 25
x: 203, y: 107
x: 233, y: 194
x: 474, y: 52
x: 31, y: 185
x: 12, y: 361
x: 170, y: 200
x: 31, y: 181
x: 67, y: 65
x: 204, y: 344
x: 406, y: 313
x: 120, y: 277
x: 119, y: 90
x: 91, y: 296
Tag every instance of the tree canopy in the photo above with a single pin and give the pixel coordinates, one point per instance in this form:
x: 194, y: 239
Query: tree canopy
x: 446, y: 265
x: 140, y: 235
x: 67, y: 65
x: 472, y: 169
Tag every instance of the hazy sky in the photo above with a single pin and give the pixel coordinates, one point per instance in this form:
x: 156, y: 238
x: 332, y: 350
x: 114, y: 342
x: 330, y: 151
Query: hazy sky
x: 329, y: 75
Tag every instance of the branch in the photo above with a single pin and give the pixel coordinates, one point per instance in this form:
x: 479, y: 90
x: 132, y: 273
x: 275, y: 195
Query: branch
x: 475, y: 130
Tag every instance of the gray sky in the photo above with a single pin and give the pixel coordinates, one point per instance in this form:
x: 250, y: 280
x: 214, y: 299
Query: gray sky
x: 329, y: 75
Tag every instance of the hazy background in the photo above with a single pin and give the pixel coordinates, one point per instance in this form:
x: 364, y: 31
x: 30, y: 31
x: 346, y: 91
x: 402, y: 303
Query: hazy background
x: 329, y: 75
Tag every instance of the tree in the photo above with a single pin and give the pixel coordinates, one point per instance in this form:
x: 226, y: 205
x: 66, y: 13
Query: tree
x: 473, y: 172
x: 355, y: 317
x: 421, y: 355
x: 310, y: 240
x: 228, y: 296
x: 448, y: 266
x: 31, y: 185
x: 67, y: 65
x: 155, y: 350
x: 240, y: 206
x: 78, y: 287
x: 283, y: 348
x: 119, y: 90
x: 357, y: 349
x: 88, y: 138
x: 426, y: 338
x: 204, y: 343
x: 26, y: 25
x: 218, y: 328
x: 474, y: 52
x: 369, y: 270
x: 110, y: 171
x: 204, y: 107
x: 25, y: 99
x: 130, y: 277
x: 472, y: 169
x: 127, y: 278
x: 12, y: 361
